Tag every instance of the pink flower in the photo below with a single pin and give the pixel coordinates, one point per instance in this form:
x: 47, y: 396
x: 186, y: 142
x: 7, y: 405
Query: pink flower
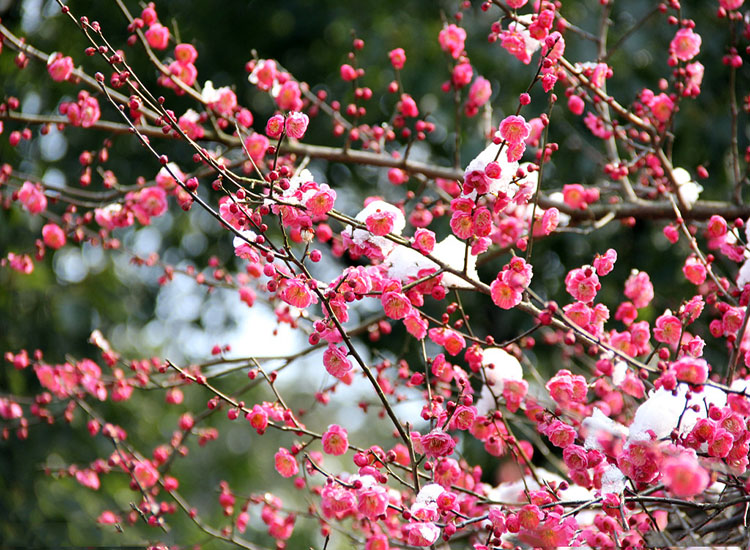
x: 683, y: 476
x: 395, y: 304
x: 462, y: 75
x: 422, y: 533
x: 149, y: 202
x: 145, y: 474
x: 415, y: 325
x: 290, y: 96
x: 296, y: 293
x: 157, y: 36
x: 514, y: 129
x: 337, y: 501
x: 380, y: 222
x: 668, y: 329
x: 560, y: 434
x: 184, y: 71
x: 504, y: 295
x: 480, y: 92
x: 639, y: 289
x: 60, y: 68
x: 576, y: 105
x: 32, y: 197
x: 85, y: 112
x: 661, y: 107
x: 451, y: 40
x: 335, y: 441
x: 566, y: 387
x: 258, y: 418
x: 322, y: 201
x: 336, y: 362
x: 264, y: 74
x: 685, y: 45
x: 372, y: 501
x: 53, y: 235
x: 691, y: 369
x: 437, y: 443
x: 377, y: 542
x: 694, y: 270
x: 275, y: 126
x: 257, y: 145
x: 296, y: 124
x: 285, y: 463
x: 185, y: 53
x: 574, y: 195
x: 398, y: 58
x: 582, y: 283
x: 605, y: 264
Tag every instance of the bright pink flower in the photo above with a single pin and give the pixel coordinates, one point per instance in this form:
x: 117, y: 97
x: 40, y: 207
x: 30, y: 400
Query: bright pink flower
x: 258, y: 418
x: 451, y: 340
x: 337, y: 501
x: 264, y: 74
x: 60, y: 68
x: 683, y: 475
x: 639, y: 289
x: 336, y: 362
x: 566, y: 387
x: 685, y: 45
x: 108, y: 518
x: 582, y: 283
x: 574, y: 195
x: 296, y: 124
x: 149, y: 202
x: 437, y: 443
x: 157, y: 36
x: 605, y: 264
x: 452, y: 39
x: 88, y: 478
x: 296, y: 293
x: 85, y: 112
x: 184, y: 71
x: 516, y: 4
x: 285, y: 463
x: 372, y: 501
x: 395, y: 304
x: 335, y: 441
x: 275, y: 126
x: 462, y: 75
x: 398, y: 58
x: 691, y: 369
x: 560, y: 434
x: 322, y: 201
x: 668, y: 330
x: 257, y: 145
x: 380, y: 222
x: 145, y: 474
x: 504, y: 295
x: 424, y: 240
x: 415, y: 325
x: 514, y: 129
x: 53, y: 235
x: 694, y: 270
x: 576, y: 105
x: 480, y: 92
x: 661, y: 107
x: 32, y: 197
x: 185, y: 53
x: 720, y: 443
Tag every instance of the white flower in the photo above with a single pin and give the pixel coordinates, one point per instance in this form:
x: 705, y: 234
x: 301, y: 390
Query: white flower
x: 209, y: 93
x: 689, y: 190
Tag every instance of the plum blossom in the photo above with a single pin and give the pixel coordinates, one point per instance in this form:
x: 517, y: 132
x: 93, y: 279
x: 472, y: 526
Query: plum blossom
x: 685, y: 45
x: 60, y: 68
x: 285, y: 463
x: 363, y: 241
x: 31, y: 196
x: 683, y: 476
x: 452, y: 39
